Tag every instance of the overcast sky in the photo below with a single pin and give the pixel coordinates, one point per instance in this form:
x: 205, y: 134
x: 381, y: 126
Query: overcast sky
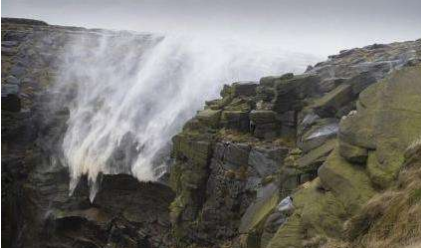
x: 318, y: 26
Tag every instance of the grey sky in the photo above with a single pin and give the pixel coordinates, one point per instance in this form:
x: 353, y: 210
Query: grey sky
x: 318, y: 26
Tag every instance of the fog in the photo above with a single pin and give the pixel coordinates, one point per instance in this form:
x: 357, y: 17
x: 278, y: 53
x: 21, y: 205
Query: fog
x: 133, y: 93
x: 320, y: 27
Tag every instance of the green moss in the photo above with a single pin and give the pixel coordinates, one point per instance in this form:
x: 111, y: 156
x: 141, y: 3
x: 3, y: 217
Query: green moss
x: 382, y: 177
x: 322, y: 213
x: 349, y: 183
x: 257, y: 213
x: 289, y: 235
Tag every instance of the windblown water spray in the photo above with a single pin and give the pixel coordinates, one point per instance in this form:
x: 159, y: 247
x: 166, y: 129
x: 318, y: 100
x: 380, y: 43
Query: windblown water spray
x: 134, y: 92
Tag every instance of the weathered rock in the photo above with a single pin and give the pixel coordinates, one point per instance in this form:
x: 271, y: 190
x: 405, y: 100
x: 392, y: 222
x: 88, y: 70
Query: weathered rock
x: 316, y: 157
x: 270, y: 81
x: 329, y: 84
x: 349, y: 183
x: 237, y: 120
x: 264, y: 124
x: 361, y: 82
x: 209, y: 117
x: 262, y: 116
x: 387, y: 110
x: 330, y: 103
x: 260, y: 209
x: 319, y: 133
x: 291, y: 92
x: 235, y: 155
x: 381, y: 176
x: 353, y: 154
x: 266, y: 161
x: 317, y: 212
x: 243, y: 89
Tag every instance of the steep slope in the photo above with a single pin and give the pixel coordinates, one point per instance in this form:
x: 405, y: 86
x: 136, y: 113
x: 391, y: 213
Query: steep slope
x: 36, y: 207
x: 331, y: 138
x: 290, y: 161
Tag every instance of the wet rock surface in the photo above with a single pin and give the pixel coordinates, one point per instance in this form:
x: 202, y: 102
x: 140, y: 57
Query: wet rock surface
x: 330, y: 139
x: 37, y: 208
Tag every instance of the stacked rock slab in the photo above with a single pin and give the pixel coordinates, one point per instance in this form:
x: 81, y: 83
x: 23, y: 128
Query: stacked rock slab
x: 330, y: 138
x: 279, y: 137
x: 348, y: 179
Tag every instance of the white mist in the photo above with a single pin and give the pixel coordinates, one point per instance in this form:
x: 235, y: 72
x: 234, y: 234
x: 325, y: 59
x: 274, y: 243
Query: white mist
x: 133, y: 93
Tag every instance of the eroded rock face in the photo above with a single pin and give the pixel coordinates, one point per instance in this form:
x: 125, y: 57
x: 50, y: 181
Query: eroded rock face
x: 37, y: 208
x: 330, y: 138
x: 282, y: 135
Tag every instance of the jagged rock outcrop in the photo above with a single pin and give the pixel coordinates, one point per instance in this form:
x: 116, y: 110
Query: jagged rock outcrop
x: 36, y: 207
x: 283, y: 162
x: 331, y: 138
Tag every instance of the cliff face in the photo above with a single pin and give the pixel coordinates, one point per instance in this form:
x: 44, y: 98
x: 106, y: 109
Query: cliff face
x: 331, y: 138
x: 305, y: 160
x: 36, y: 207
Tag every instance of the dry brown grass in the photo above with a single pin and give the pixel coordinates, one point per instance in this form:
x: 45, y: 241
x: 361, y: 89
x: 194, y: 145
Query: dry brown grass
x: 393, y: 218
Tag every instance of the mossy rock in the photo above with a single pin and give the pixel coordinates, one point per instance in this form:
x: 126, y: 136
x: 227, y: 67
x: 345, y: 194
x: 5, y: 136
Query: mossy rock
x: 290, y: 94
x: 209, y: 117
x: 289, y: 235
x: 236, y: 120
x: 353, y: 154
x: 192, y: 146
x: 381, y: 176
x: 322, y: 213
x: 349, y: 183
x: 270, y: 80
x: 332, y: 102
x: 259, y: 210
x: 317, y: 156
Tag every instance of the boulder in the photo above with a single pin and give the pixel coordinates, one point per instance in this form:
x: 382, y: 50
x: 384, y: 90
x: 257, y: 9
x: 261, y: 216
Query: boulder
x: 385, y: 111
x: 349, y: 183
x: 381, y: 176
x: 316, y: 213
x: 353, y: 154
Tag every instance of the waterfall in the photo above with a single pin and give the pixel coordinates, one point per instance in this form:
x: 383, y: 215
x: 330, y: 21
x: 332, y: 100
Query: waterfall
x: 133, y: 92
